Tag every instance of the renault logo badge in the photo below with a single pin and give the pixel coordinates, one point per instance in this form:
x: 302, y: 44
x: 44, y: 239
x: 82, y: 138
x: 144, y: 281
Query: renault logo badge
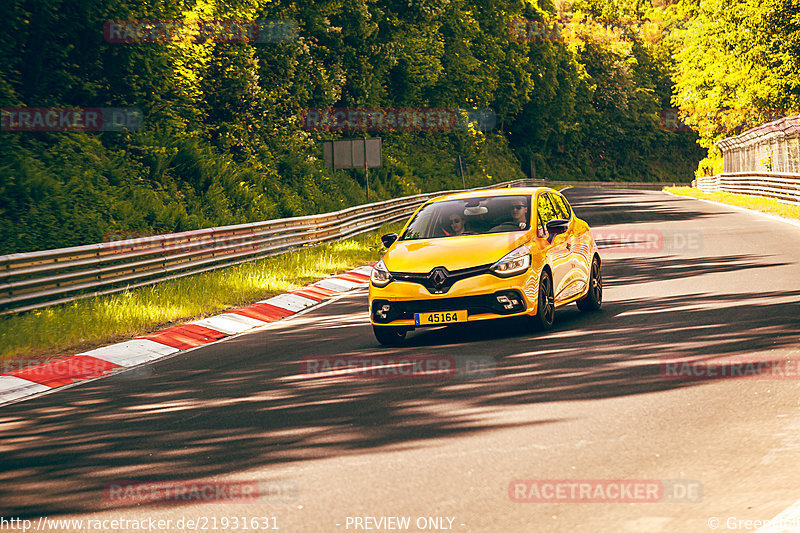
x: 438, y: 276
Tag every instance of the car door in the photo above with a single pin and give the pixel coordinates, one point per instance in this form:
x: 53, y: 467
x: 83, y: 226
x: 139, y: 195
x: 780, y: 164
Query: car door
x: 577, y: 277
x: 557, y: 247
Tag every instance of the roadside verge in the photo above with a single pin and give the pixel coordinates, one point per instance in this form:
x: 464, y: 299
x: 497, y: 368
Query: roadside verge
x: 768, y: 207
x: 28, y: 381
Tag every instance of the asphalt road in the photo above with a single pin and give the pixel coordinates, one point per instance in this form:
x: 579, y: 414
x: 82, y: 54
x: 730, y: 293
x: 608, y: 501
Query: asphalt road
x: 588, y: 401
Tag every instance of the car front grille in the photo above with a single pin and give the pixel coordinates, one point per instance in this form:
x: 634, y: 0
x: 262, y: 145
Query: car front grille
x: 439, y: 280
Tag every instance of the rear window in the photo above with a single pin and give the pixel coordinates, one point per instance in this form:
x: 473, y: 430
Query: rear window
x: 470, y: 216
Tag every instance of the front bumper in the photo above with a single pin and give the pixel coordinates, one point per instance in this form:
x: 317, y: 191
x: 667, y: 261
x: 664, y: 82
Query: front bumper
x: 478, y: 295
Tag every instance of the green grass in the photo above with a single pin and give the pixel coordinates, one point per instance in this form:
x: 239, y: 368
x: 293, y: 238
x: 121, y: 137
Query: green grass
x: 757, y: 203
x: 83, y: 324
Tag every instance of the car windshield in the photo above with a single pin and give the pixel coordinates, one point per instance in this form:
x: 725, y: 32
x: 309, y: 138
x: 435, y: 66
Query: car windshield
x: 470, y: 216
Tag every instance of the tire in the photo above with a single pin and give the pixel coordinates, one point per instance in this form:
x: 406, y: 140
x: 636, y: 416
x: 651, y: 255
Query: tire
x: 545, y: 306
x: 389, y: 335
x: 594, y: 298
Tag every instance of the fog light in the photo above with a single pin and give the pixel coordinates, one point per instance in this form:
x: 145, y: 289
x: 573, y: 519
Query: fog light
x: 510, y: 300
x: 506, y: 302
x: 383, y: 312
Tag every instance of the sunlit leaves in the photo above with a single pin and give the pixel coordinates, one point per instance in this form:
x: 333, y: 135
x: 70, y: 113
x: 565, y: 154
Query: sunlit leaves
x: 737, y: 61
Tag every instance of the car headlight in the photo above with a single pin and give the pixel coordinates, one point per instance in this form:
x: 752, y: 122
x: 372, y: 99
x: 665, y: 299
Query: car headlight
x: 380, y: 276
x: 513, y: 263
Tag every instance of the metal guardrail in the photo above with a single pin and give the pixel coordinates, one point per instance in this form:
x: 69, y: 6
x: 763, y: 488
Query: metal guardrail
x: 38, y: 279
x: 640, y: 185
x: 34, y: 280
x: 779, y: 185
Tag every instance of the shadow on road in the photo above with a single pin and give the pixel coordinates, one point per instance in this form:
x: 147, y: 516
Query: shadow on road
x: 247, y: 403
x: 601, y: 207
x: 663, y: 268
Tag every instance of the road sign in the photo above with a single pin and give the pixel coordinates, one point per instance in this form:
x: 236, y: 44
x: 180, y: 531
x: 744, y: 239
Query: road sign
x: 350, y: 153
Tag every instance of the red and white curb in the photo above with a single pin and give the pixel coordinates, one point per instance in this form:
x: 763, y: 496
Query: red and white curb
x: 32, y: 380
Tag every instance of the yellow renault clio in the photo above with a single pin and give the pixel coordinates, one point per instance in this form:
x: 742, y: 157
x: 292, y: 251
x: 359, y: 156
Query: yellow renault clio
x: 484, y: 254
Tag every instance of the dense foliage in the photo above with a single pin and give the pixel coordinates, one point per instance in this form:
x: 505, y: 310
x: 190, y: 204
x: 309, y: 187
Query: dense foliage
x: 737, y: 65
x: 222, y: 142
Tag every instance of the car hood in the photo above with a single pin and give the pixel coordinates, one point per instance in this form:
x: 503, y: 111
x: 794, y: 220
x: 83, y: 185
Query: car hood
x: 453, y: 253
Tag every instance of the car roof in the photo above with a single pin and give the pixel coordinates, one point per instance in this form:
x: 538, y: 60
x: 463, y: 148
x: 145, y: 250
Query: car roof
x: 482, y: 193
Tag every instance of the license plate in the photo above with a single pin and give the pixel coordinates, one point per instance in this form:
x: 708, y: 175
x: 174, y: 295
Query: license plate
x: 440, y: 317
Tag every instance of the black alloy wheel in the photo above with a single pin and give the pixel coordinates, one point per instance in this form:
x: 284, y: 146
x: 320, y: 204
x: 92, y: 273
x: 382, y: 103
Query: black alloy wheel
x: 546, y: 306
x: 594, y: 298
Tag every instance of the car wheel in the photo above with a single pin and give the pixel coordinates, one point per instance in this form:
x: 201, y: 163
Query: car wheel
x: 546, y: 306
x: 594, y: 298
x: 389, y: 335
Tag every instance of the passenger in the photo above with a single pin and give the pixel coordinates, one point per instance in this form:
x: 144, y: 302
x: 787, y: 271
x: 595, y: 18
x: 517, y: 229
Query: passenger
x: 456, y: 225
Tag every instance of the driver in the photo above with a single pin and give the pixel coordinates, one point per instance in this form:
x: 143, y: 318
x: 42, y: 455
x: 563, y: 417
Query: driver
x: 519, y: 217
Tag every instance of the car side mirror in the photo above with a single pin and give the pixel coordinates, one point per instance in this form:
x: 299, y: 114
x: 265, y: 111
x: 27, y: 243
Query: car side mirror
x: 388, y: 239
x: 557, y: 227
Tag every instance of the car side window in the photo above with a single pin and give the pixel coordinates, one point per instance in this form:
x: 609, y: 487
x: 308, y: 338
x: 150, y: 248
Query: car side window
x: 561, y: 206
x: 546, y: 209
x: 545, y: 212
